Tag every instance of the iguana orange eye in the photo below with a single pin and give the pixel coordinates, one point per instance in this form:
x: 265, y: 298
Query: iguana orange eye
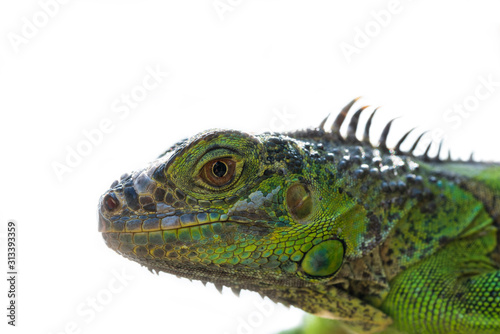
x: 219, y: 172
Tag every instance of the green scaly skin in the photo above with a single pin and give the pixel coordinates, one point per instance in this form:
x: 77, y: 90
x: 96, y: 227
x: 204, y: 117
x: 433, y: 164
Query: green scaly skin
x: 375, y: 238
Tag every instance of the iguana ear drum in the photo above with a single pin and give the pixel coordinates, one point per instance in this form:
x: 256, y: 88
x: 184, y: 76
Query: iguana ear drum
x: 324, y: 259
x: 299, y: 201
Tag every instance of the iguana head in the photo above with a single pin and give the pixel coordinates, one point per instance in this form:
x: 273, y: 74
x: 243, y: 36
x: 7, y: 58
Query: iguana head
x: 249, y: 211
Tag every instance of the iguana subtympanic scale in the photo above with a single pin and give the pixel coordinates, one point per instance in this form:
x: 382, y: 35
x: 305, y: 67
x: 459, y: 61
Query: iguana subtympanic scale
x: 372, y: 236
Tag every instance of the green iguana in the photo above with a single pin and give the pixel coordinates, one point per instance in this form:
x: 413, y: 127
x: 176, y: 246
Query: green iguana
x: 377, y: 238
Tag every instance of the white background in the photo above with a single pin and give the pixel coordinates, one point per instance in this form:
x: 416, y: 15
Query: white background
x: 257, y: 66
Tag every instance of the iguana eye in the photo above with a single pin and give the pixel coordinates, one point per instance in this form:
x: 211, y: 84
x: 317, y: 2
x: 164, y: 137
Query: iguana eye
x: 218, y: 172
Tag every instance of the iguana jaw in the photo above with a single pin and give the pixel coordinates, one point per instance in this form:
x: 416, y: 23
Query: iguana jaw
x: 160, y: 222
x: 126, y: 231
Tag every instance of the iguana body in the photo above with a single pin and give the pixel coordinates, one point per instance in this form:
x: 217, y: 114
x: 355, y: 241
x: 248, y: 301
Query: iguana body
x: 376, y: 238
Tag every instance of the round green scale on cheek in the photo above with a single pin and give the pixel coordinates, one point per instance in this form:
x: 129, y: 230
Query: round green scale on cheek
x: 324, y: 259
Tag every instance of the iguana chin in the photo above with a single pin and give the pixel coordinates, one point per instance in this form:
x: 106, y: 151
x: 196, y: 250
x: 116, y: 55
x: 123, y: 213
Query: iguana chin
x: 371, y: 236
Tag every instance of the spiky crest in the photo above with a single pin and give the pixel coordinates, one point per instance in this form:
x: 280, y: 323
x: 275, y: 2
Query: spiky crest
x: 334, y: 134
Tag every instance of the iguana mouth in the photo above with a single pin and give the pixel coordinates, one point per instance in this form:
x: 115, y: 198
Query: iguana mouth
x: 150, y: 238
x: 140, y: 234
x: 125, y: 241
x: 134, y: 224
x: 116, y: 215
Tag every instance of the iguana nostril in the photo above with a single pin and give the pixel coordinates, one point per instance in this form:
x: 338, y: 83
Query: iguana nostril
x: 110, y: 202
